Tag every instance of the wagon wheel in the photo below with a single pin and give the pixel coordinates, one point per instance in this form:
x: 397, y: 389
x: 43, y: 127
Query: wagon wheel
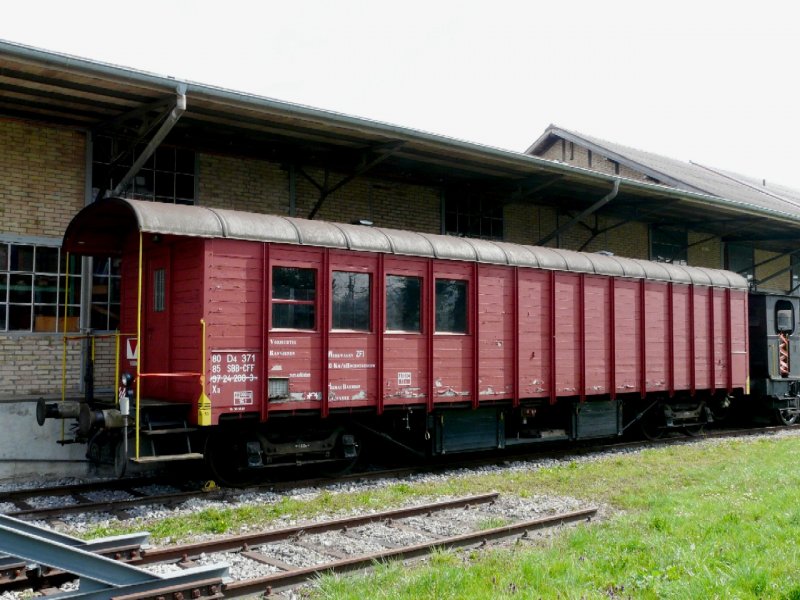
x: 651, y: 424
x: 343, y: 466
x: 226, y: 457
x: 787, y: 416
x: 695, y: 430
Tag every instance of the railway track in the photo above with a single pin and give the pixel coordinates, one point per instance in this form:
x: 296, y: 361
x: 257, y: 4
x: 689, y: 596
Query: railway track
x: 333, y: 546
x: 117, y: 497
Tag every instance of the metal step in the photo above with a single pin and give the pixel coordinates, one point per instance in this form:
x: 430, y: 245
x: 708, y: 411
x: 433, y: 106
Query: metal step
x: 168, y: 458
x: 168, y: 431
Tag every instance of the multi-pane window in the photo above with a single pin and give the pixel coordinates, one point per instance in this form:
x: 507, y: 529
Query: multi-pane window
x: 403, y: 301
x: 33, y: 284
x: 294, y: 292
x: 669, y: 245
x: 740, y: 259
x: 105, y: 294
x: 167, y: 176
x: 476, y: 217
x: 451, y: 306
x: 351, y: 300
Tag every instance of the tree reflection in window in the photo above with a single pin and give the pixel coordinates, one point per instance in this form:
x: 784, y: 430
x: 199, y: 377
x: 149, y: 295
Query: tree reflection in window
x: 403, y: 296
x: 451, y: 306
x: 351, y: 301
x: 293, y: 298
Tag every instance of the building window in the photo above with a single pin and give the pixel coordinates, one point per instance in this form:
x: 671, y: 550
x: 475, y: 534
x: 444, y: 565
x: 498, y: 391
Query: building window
x: 105, y: 294
x: 403, y: 301
x: 33, y: 288
x: 451, y: 306
x: 740, y: 259
x: 474, y: 217
x: 669, y: 245
x: 351, y: 301
x: 293, y: 298
x: 167, y: 176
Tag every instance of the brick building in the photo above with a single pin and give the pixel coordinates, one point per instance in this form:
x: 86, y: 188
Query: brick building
x: 74, y: 131
x: 768, y: 262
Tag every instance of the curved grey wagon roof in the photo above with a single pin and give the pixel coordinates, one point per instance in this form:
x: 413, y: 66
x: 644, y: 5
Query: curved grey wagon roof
x: 101, y: 228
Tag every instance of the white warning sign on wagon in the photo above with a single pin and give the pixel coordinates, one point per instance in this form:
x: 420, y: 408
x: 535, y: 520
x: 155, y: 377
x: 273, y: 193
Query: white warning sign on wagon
x: 132, y: 349
x: 243, y: 398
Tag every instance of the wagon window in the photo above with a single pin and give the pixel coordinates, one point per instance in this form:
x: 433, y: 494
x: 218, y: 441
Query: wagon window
x: 451, y: 306
x: 351, y: 300
x: 403, y: 296
x: 159, y: 290
x: 294, y: 293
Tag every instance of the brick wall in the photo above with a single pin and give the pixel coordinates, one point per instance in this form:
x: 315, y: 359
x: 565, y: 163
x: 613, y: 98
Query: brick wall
x: 578, y: 156
x: 779, y: 283
x: 42, y: 175
x: 243, y: 184
x: 41, y: 188
x: 31, y: 365
x: 259, y: 186
x: 526, y: 224
x: 704, y: 252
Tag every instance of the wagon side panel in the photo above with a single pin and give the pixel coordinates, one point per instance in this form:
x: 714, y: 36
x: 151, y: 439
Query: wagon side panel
x: 568, y: 339
x: 186, y: 331
x: 294, y: 326
x: 721, y: 338
x: 628, y: 360
x: 702, y: 336
x: 681, y: 338
x: 597, y: 336
x: 234, y: 315
x: 453, y: 345
x: 534, y: 305
x: 405, y: 341
x: 739, y: 347
x: 352, y: 345
x: 656, y: 337
x: 496, y: 332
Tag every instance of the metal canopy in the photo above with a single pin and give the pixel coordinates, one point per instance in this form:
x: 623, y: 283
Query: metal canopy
x: 54, y: 88
x: 117, y: 217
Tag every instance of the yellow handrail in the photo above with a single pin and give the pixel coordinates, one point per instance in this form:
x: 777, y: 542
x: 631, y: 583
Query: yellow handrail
x: 204, y: 404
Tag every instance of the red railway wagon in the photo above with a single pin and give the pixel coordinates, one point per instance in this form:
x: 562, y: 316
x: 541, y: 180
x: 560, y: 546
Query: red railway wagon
x: 287, y: 340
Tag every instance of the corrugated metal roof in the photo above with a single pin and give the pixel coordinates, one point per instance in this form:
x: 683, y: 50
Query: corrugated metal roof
x: 101, y: 219
x: 687, y: 176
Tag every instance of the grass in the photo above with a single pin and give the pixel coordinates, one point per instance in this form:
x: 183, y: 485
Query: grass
x: 711, y: 521
x: 698, y: 522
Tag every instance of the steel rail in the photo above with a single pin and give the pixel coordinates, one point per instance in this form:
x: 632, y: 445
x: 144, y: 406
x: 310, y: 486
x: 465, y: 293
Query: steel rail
x: 288, y: 579
x: 243, y: 542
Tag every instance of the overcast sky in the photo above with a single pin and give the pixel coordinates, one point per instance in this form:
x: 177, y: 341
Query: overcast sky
x: 713, y: 82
